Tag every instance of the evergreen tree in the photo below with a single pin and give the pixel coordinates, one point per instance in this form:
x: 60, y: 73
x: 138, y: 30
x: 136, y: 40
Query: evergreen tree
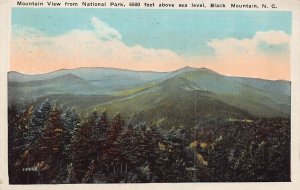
x: 95, y: 135
x: 116, y: 126
x: 13, y: 141
x: 99, y: 139
x: 37, y: 124
x: 19, y: 151
x: 79, y: 154
x: 130, y: 157
x: 112, y: 154
x: 70, y: 121
x: 86, y: 145
x: 50, y: 149
x: 176, y: 160
x: 112, y: 136
x: 49, y: 145
x: 154, y: 147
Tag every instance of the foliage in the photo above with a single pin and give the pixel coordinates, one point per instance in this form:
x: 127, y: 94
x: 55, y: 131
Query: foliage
x: 48, y: 144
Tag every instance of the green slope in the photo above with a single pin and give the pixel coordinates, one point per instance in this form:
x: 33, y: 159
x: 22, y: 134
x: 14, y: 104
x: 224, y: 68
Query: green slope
x: 198, y: 94
x: 182, y: 97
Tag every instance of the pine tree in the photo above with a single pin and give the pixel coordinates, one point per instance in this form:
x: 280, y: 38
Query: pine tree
x: 112, y: 136
x: 128, y: 157
x: 116, y: 126
x: 86, y: 145
x: 95, y: 135
x: 70, y: 121
x: 100, y: 140
x: 113, y: 150
x: 50, y: 148
x: 37, y: 124
x: 153, y: 149
x: 79, y: 152
x: 13, y: 142
x: 176, y: 159
x: 19, y: 151
x: 139, y: 152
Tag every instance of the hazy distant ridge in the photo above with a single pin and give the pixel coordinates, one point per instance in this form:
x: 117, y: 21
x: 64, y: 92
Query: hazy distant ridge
x: 147, y: 92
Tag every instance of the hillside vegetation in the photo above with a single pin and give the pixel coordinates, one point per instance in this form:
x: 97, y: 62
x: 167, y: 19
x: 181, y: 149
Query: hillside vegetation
x: 99, y: 125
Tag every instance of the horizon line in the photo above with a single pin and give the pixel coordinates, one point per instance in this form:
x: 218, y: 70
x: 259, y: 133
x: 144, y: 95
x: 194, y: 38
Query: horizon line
x: 148, y: 71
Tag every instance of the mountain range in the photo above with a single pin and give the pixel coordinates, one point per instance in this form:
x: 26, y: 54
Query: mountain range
x: 167, y: 98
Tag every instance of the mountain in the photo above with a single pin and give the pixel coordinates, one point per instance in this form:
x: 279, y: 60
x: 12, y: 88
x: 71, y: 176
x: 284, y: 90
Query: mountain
x: 90, y: 74
x: 94, y: 81
x: 81, y: 81
x: 203, y: 93
x: 182, y: 97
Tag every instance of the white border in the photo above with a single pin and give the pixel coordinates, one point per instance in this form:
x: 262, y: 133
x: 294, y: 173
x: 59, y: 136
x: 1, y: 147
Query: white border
x: 283, y: 5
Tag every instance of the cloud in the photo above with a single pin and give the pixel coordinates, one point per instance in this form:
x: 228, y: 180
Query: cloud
x: 250, y: 47
x: 36, y: 52
x: 104, y: 31
x: 265, y: 55
x: 272, y: 37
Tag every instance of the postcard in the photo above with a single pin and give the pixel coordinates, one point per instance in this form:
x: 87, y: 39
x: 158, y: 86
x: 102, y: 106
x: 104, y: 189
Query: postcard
x: 147, y: 95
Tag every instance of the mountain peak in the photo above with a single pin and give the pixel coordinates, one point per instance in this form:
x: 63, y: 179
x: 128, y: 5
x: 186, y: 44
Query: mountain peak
x: 208, y: 70
x: 187, y: 68
x: 67, y: 77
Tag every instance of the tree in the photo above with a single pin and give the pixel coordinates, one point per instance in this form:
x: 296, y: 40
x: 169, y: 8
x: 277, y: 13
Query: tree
x: 71, y: 121
x: 112, y: 154
x: 155, y: 145
x: 19, y: 160
x: 113, y: 134
x: 50, y: 149
x: 13, y: 145
x: 37, y: 124
x: 132, y: 155
x: 176, y: 159
x: 87, y: 144
x: 116, y: 126
x: 99, y: 141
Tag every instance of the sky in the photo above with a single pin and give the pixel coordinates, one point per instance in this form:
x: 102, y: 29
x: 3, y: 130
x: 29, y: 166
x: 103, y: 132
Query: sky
x: 235, y: 43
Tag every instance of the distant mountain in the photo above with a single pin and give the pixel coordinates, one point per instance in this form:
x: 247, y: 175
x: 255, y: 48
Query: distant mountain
x: 168, y: 98
x: 93, y: 81
x: 59, y: 80
x: 90, y: 74
x: 81, y: 81
x: 203, y: 93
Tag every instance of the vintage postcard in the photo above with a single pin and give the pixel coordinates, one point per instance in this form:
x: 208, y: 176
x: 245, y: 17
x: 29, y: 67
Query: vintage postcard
x: 151, y: 92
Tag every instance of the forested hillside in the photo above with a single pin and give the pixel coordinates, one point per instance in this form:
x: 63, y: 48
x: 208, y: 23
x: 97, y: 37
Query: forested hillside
x: 49, y: 143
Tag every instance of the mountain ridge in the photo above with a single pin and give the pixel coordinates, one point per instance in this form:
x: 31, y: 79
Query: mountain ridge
x: 134, y: 93
x: 183, y: 69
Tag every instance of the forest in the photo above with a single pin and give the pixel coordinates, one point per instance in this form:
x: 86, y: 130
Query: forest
x: 50, y: 144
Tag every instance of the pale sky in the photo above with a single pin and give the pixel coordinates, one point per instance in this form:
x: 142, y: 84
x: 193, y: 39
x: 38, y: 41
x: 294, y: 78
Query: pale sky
x: 236, y: 43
